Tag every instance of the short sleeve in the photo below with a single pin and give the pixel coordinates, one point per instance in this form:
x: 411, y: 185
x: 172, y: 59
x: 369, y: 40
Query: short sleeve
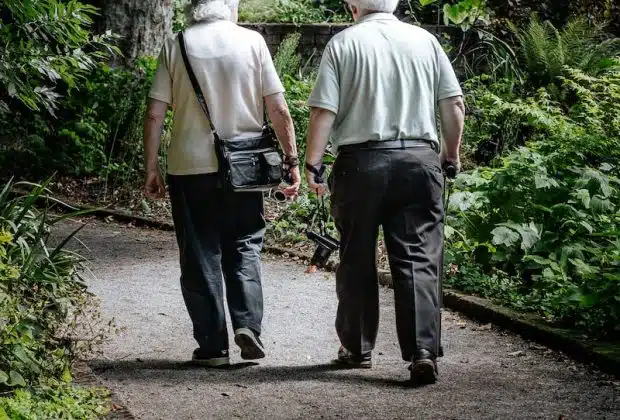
x: 270, y: 79
x: 448, y: 85
x: 326, y: 91
x: 161, y: 88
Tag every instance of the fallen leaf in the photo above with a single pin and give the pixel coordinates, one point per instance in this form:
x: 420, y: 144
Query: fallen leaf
x: 519, y: 353
x: 312, y: 269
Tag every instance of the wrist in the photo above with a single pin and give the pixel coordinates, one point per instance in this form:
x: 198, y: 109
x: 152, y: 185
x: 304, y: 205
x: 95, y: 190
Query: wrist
x: 291, y: 161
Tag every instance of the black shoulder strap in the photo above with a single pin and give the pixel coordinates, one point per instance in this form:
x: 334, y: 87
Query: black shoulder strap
x: 196, y: 86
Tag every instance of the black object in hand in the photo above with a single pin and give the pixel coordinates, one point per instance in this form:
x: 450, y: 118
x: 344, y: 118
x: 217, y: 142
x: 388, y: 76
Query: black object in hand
x: 449, y: 169
x: 326, y: 245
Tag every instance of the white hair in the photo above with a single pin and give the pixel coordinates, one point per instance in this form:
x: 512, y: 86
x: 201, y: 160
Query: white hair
x: 210, y: 10
x: 386, y: 6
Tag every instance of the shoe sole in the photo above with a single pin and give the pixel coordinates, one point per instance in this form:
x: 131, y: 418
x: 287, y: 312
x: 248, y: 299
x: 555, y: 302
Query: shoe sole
x: 424, y: 373
x: 215, y: 362
x: 250, y: 348
x: 351, y: 365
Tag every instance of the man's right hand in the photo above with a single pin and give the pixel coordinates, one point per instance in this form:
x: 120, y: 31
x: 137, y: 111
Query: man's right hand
x: 453, y: 160
x: 154, y: 186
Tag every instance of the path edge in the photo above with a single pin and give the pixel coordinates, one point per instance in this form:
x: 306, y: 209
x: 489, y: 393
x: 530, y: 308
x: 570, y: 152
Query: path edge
x: 602, y: 354
x: 85, y: 376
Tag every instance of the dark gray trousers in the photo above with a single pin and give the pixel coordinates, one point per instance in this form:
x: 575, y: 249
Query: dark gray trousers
x: 220, y: 236
x: 400, y: 190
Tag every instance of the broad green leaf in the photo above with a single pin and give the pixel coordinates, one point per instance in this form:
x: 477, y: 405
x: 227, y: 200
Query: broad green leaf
x: 541, y: 181
x: 583, y: 268
x: 584, y: 196
x: 427, y: 2
x: 3, y: 415
x: 587, y: 226
x: 456, y: 13
x: 504, y: 236
x: 464, y: 200
x: 529, y: 235
x: 3, y: 377
x: 16, y: 379
x: 537, y: 259
x: 548, y: 273
x: 449, y: 231
x: 66, y: 375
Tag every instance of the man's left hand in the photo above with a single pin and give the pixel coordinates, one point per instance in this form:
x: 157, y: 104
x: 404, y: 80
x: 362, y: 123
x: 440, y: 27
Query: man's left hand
x: 292, y: 191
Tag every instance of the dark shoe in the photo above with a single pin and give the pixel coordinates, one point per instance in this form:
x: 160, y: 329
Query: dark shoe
x: 211, y: 359
x: 423, y: 368
x: 250, y: 344
x: 348, y: 359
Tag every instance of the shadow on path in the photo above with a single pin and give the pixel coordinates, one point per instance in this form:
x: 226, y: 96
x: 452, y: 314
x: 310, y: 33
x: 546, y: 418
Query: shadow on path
x: 247, y: 372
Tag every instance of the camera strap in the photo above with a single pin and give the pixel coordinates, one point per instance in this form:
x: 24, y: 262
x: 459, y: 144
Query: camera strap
x: 321, y: 213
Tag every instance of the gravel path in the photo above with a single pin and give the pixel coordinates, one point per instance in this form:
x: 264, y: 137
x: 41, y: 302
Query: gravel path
x: 486, y: 373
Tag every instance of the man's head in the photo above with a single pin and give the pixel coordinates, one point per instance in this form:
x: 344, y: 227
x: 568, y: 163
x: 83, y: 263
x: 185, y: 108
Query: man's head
x: 360, y: 8
x: 200, y: 11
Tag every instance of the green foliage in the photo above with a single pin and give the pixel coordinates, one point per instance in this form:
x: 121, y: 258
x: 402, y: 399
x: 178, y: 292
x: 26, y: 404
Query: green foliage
x: 64, y: 402
x: 539, y: 229
x: 98, y: 130
x: 548, y: 230
x: 46, y: 50
x: 465, y: 13
x: 545, y: 51
x: 298, y: 85
x: 291, y: 11
x: 43, y: 301
x: 582, y: 108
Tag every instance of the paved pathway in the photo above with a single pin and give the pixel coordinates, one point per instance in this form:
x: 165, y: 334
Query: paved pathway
x: 486, y: 373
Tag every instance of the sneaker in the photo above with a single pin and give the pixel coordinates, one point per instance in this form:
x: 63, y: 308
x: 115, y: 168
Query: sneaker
x: 423, y: 368
x: 251, y: 346
x: 210, y: 358
x: 348, y: 359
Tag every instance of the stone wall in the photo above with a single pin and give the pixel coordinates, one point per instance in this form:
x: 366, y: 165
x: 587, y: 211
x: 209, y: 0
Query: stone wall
x: 315, y: 37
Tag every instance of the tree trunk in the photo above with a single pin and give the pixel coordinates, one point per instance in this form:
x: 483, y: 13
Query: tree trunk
x: 142, y: 24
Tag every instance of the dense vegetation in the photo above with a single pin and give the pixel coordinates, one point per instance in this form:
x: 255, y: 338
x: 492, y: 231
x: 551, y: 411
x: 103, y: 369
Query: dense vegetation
x: 534, y: 222
x: 44, y: 309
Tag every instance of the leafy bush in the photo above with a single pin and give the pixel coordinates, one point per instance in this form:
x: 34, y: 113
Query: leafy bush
x: 64, y: 402
x: 47, y: 50
x: 44, y: 304
x: 546, y: 51
x: 291, y: 11
x: 549, y: 226
x: 98, y: 130
x: 581, y: 116
x: 539, y: 230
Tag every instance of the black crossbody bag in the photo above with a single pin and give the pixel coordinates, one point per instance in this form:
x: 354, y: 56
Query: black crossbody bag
x: 245, y: 165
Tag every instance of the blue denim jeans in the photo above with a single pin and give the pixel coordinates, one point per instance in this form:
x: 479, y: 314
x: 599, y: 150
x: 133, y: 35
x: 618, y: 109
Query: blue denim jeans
x: 220, y: 235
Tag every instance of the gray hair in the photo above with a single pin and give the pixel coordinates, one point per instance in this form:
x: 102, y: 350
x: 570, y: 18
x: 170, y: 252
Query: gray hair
x: 386, y: 6
x: 210, y: 10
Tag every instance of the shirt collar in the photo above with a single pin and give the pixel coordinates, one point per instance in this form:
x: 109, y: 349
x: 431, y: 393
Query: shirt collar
x: 377, y: 16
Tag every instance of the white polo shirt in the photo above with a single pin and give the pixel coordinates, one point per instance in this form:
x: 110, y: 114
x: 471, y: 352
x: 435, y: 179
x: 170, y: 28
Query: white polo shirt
x: 383, y: 78
x: 235, y: 71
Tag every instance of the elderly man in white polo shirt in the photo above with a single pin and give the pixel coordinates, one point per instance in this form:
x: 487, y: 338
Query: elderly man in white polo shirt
x: 377, y: 91
x: 220, y: 233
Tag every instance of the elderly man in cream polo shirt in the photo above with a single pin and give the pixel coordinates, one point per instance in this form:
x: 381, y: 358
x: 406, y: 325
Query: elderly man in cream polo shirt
x: 219, y: 233
x: 377, y: 91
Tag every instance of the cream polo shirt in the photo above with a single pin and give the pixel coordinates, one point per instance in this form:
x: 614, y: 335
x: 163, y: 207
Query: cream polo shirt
x: 382, y: 78
x: 235, y: 71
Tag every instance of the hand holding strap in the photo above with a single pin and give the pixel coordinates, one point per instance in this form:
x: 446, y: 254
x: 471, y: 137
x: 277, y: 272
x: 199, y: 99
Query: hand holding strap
x: 318, y: 173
